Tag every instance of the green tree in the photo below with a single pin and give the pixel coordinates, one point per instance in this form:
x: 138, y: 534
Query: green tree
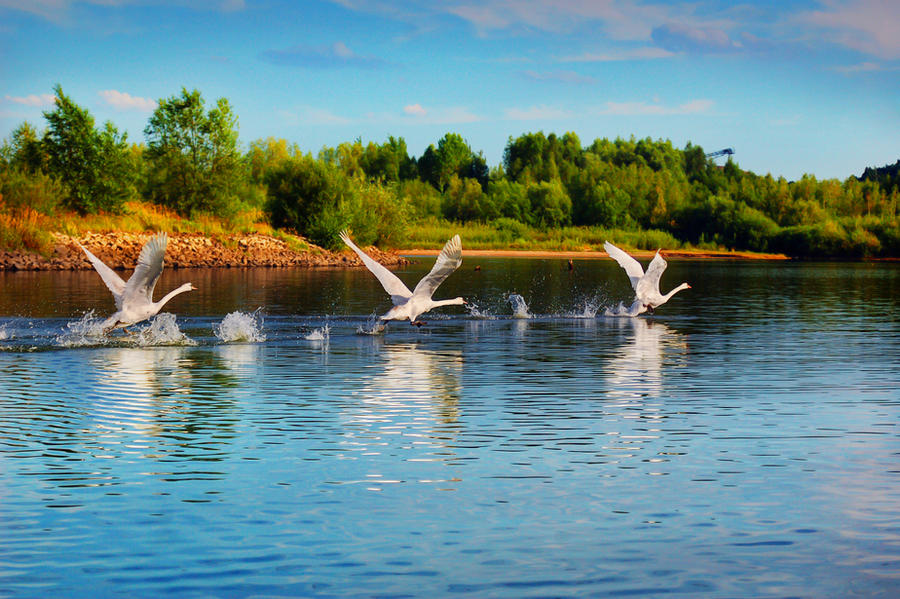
x: 194, y: 164
x: 93, y: 164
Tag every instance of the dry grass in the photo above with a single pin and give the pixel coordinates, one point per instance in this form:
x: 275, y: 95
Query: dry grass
x: 24, y: 228
x: 138, y: 217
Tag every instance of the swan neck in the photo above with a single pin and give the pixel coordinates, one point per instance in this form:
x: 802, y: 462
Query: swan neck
x: 676, y: 290
x: 164, y: 299
x: 456, y: 301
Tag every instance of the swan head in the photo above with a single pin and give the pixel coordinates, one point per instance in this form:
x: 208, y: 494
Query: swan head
x: 187, y: 287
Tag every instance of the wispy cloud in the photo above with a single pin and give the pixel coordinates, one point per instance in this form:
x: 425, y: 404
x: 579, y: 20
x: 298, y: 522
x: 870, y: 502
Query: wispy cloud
x: 33, y: 100
x: 311, y: 116
x: 124, y: 101
x: 869, y: 26
x: 452, y: 115
x: 60, y: 11
x: 561, y: 76
x: 644, y: 109
x: 414, y: 110
x: 681, y: 37
x: 337, y: 55
x: 646, y: 53
x: 537, y: 113
x: 865, y: 67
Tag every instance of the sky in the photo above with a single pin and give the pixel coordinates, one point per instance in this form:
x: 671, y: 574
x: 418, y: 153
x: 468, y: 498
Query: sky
x: 794, y: 86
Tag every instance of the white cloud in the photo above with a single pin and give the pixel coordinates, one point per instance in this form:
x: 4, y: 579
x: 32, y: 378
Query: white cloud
x: 647, y: 53
x: 864, y: 67
x: 415, y: 110
x: 124, y: 101
x: 311, y: 116
x: 869, y: 26
x: 33, y: 99
x: 561, y: 76
x: 536, y: 113
x: 645, y: 109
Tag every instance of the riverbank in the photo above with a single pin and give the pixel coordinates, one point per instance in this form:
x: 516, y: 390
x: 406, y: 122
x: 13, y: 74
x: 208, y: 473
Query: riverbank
x: 595, y: 255
x: 120, y: 251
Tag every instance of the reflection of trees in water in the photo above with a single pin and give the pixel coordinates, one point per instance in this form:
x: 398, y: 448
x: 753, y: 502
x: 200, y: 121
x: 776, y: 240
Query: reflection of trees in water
x: 414, y: 393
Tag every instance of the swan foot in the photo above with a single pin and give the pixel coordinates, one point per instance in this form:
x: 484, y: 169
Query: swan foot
x: 418, y: 323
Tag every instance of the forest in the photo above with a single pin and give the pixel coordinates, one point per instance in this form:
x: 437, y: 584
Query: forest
x: 549, y: 188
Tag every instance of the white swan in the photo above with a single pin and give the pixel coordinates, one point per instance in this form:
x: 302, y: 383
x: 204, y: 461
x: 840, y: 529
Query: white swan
x: 134, y: 299
x: 409, y: 304
x: 646, y: 285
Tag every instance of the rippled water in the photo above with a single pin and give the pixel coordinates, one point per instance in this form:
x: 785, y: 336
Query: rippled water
x: 743, y: 442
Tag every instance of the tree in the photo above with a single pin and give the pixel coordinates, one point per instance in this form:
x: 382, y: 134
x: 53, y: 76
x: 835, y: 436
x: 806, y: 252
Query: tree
x: 192, y: 154
x: 93, y: 164
x: 453, y: 156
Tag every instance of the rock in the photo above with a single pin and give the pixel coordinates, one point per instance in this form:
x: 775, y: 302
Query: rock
x: 185, y: 250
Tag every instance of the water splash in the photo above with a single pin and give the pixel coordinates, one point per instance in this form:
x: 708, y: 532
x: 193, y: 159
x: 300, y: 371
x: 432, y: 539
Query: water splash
x: 520, y: 308
x: 623, y: 310
x: 590, y: 309
x: 162, y: 330
x: 476, y: 312
x: 241, y: 326
x: 322, y: 334
x: 373, y: 326
x: 88, y: 330
x: 5, y: 332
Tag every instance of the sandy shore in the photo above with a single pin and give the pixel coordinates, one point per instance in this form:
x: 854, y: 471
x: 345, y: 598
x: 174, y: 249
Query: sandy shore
x: 594, y: 255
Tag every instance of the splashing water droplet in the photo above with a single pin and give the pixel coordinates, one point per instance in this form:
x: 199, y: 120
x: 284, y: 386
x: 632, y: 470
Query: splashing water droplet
x: 162, y: 330
x: 241, y: 326
x: 476, y: 312
x: 520, y: 308
x: 373, y: 326
x: 4, y: 332
x: 322, y: 334
x: 88, y: 330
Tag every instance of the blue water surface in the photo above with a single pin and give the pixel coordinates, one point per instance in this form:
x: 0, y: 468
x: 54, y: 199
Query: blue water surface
x: 742, y: 442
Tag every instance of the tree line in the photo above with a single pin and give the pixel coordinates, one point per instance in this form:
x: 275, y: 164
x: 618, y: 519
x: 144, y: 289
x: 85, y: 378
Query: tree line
x: 190, y: 160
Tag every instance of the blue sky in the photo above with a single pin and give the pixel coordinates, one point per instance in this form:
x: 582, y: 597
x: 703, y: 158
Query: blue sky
x: 793, y: 86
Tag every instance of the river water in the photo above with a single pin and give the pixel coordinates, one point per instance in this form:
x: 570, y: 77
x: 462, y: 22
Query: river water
x: 742, y: 442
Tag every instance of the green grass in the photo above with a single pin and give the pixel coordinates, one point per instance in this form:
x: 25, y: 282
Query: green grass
x: 434, y: 233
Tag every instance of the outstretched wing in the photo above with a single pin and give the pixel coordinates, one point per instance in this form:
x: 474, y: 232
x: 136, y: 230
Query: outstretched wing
x: 447, y: 261
x: 632, y: 267
x: 146, y: 273
x: 113, y: 281
x: 388, y: 280
x: 649, y: 285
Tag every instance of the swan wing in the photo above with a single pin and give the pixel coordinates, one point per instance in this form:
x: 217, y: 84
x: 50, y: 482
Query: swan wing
x: 113, y: 281
x: 632, y: 267
x: 393, y: 285
x: 146, y: 273
x: 447, y: 261
x: 649, y: 284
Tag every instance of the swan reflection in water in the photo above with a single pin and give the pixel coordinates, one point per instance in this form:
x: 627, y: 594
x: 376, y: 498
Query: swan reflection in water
x: 635, y: 386
x: 636, y: 369
x: 168, y: 391
x: 410, y: 408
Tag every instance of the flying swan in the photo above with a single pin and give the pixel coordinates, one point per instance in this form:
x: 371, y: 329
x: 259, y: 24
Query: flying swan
x: 646, y: 285
x: 410, y: 304
x: 134, y: 299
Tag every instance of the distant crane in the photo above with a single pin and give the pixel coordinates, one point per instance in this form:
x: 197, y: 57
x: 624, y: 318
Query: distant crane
x: 725, y: 152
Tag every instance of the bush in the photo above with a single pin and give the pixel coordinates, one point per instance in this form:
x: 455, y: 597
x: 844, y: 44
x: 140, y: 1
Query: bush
x: 318, y: 200
x: 36, y: 190
x: 510, y: 230
x: 550, y: 204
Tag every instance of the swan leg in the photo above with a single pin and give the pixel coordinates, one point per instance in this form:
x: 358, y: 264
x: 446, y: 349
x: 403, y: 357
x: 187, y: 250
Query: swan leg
x: 418, y: 323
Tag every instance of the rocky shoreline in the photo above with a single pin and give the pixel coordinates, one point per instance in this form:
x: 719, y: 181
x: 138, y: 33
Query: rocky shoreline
x: 187, y: 250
